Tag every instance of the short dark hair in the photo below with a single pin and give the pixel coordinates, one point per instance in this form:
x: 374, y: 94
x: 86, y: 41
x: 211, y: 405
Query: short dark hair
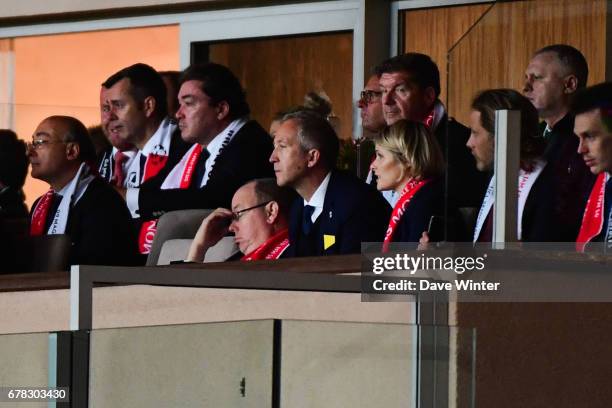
x: 421, y: 67
x: 266, y: 189
x: 219, y: 84
x: 488, y: 101
x: 595, y: 97
x: 144, y: 82
x: 13, y: 159
x: 314, y: 132
x: 76, y: 132
x: 571, y: 59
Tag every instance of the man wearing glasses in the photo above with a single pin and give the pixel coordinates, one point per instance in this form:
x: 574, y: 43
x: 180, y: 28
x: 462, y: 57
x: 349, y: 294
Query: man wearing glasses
x: 373, y: 122
x: 78, y: 203
x: 258, y: 219
x: 410, y: 86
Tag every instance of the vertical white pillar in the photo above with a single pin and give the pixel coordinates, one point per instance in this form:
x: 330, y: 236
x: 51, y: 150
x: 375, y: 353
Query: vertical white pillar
x: 507, y: 156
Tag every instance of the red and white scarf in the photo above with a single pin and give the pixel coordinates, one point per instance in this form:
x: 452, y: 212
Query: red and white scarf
x: 71, y: 194
x: 406, y: 195
x: 526, y: 181
x: 156, y: 151
x: 271, y: 249
x: 182, y: 174
x: 593, y: 218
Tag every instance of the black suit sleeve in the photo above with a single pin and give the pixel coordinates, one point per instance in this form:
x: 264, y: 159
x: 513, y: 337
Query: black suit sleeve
x: 245, y: 158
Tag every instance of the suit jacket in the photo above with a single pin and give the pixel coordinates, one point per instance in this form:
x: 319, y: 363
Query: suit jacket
x: 538, y: 222
x: 572, y: 179
x: 245, y: 158
x: 466, y: 185
x: 100, y: 228
x: 353, y: 212
x: 428, y: 201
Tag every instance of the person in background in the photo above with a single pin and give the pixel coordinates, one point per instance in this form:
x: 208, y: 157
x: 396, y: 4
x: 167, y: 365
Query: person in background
x: 409, y: 162
x: 373, y: 123
x: 78, y: 203
x: 258, y: 218
x: 554, y: 74
x: 593, y: 126
x: 535, y: 220
x: 13, y: 172
x: 410, y: 86
x: 172, y: 82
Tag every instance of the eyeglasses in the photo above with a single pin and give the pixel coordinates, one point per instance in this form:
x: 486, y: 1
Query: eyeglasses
x: 39, y: 143
x: 236, y: 215
x: 368, y: 96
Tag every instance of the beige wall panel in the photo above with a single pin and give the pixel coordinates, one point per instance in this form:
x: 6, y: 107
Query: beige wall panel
x: 34, y: 7
x: 24, y: 360
x: 49, y: 310
x: 347, y: 365
x: 496, y: 52
x: 278, y: 72
x: 198, y: 365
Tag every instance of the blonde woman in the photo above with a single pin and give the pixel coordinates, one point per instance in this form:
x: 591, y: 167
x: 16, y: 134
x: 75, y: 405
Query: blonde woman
x: 409, y: 161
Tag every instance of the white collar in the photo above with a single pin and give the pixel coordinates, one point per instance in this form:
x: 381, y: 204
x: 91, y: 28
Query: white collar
x: 318, y: 198
x: 439, y: 112
x: 215, y: 145
x: 129, y: 153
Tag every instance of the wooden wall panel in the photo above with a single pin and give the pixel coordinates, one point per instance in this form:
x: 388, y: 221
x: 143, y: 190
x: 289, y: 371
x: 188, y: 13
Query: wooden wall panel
x: 495, y: 53
x: 278, y: 72
x: 434, y: 31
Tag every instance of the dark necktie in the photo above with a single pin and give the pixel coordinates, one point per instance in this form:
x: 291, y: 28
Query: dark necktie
x: 200, y: 168
x: 307, y: 219
x: 118, y: 172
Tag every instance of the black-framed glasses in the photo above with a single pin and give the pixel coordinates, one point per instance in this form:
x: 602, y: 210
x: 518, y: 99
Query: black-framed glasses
x: 39, y: 143
x: 368, y: 96
x: 237, y: 214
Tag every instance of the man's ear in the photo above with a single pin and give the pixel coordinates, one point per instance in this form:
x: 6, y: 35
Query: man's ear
x: 149, y: 105
x: 272, y: 210
x: 570, y: 84
x: 313, y: 156
x: 223, y: 110
x: 429, y: 95
x: 73, y: 150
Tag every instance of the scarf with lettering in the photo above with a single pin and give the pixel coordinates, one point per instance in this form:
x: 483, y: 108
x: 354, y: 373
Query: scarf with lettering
x: 593, y: 218
x: 156, y: 152
x: 406, y: 195
x: 526, y: 180
x: 271, y: 249
x: 75, y: 189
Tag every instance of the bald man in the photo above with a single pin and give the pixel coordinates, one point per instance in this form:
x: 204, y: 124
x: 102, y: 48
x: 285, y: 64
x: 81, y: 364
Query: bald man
x: 78, y: 203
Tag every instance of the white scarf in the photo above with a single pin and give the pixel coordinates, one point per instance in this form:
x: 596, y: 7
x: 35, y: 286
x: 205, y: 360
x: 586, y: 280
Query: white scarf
x: 70, y: 195
x: 159, y: 146
x: 173, y: 180
x: 526, y: 181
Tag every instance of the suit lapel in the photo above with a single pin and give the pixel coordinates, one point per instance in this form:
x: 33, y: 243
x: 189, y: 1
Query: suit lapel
x: 329, y: 224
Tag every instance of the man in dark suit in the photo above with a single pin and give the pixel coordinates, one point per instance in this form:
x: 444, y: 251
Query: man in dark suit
x: 410, y: 85
x: 336, y: 212
x: 228, y: 150
x: 134, y: 115
x: 78, y: 204
x: 552, y: 77
x: 593, y: 126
